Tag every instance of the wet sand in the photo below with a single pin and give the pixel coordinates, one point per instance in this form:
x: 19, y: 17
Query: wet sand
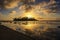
x: 9, y: 34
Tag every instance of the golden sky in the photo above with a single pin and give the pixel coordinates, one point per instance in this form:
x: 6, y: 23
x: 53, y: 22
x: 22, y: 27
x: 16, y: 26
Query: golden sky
x: 45, y: 9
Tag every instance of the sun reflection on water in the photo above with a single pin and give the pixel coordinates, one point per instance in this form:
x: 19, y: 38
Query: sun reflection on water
x: 29, y: 26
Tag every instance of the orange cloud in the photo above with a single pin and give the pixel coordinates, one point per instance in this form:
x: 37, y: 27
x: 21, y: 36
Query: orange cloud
x: 12, y: 4
x: 12, y: 15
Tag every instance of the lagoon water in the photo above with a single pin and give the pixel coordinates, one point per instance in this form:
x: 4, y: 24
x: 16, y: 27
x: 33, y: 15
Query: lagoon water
x: 35, y: 27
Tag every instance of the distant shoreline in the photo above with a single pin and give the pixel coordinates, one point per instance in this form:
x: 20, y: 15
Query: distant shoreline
x: 34, y: 20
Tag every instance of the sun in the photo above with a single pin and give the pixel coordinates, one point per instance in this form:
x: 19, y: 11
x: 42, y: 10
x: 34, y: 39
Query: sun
x: 29, y: 15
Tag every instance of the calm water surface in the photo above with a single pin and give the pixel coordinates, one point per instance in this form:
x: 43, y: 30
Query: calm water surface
x: 35, y: 27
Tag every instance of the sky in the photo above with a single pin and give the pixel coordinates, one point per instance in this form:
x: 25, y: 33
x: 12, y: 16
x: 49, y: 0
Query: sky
x: 47, y: 9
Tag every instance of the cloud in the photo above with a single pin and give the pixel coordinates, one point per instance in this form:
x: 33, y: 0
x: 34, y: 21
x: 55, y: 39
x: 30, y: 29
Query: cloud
x: 2, y: 17
x: 9, y: 3
x: 48, y: 9
x: 10, y: 16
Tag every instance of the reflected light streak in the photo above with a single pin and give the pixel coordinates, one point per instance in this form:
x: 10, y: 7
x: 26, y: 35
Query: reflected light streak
x: 30, y: 26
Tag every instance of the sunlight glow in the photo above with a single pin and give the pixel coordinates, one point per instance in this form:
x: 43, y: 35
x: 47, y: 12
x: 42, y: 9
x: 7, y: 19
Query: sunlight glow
x: 29, y: 15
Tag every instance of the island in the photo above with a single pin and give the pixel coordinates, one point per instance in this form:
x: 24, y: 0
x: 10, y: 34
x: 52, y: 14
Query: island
x: 25, y: 19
